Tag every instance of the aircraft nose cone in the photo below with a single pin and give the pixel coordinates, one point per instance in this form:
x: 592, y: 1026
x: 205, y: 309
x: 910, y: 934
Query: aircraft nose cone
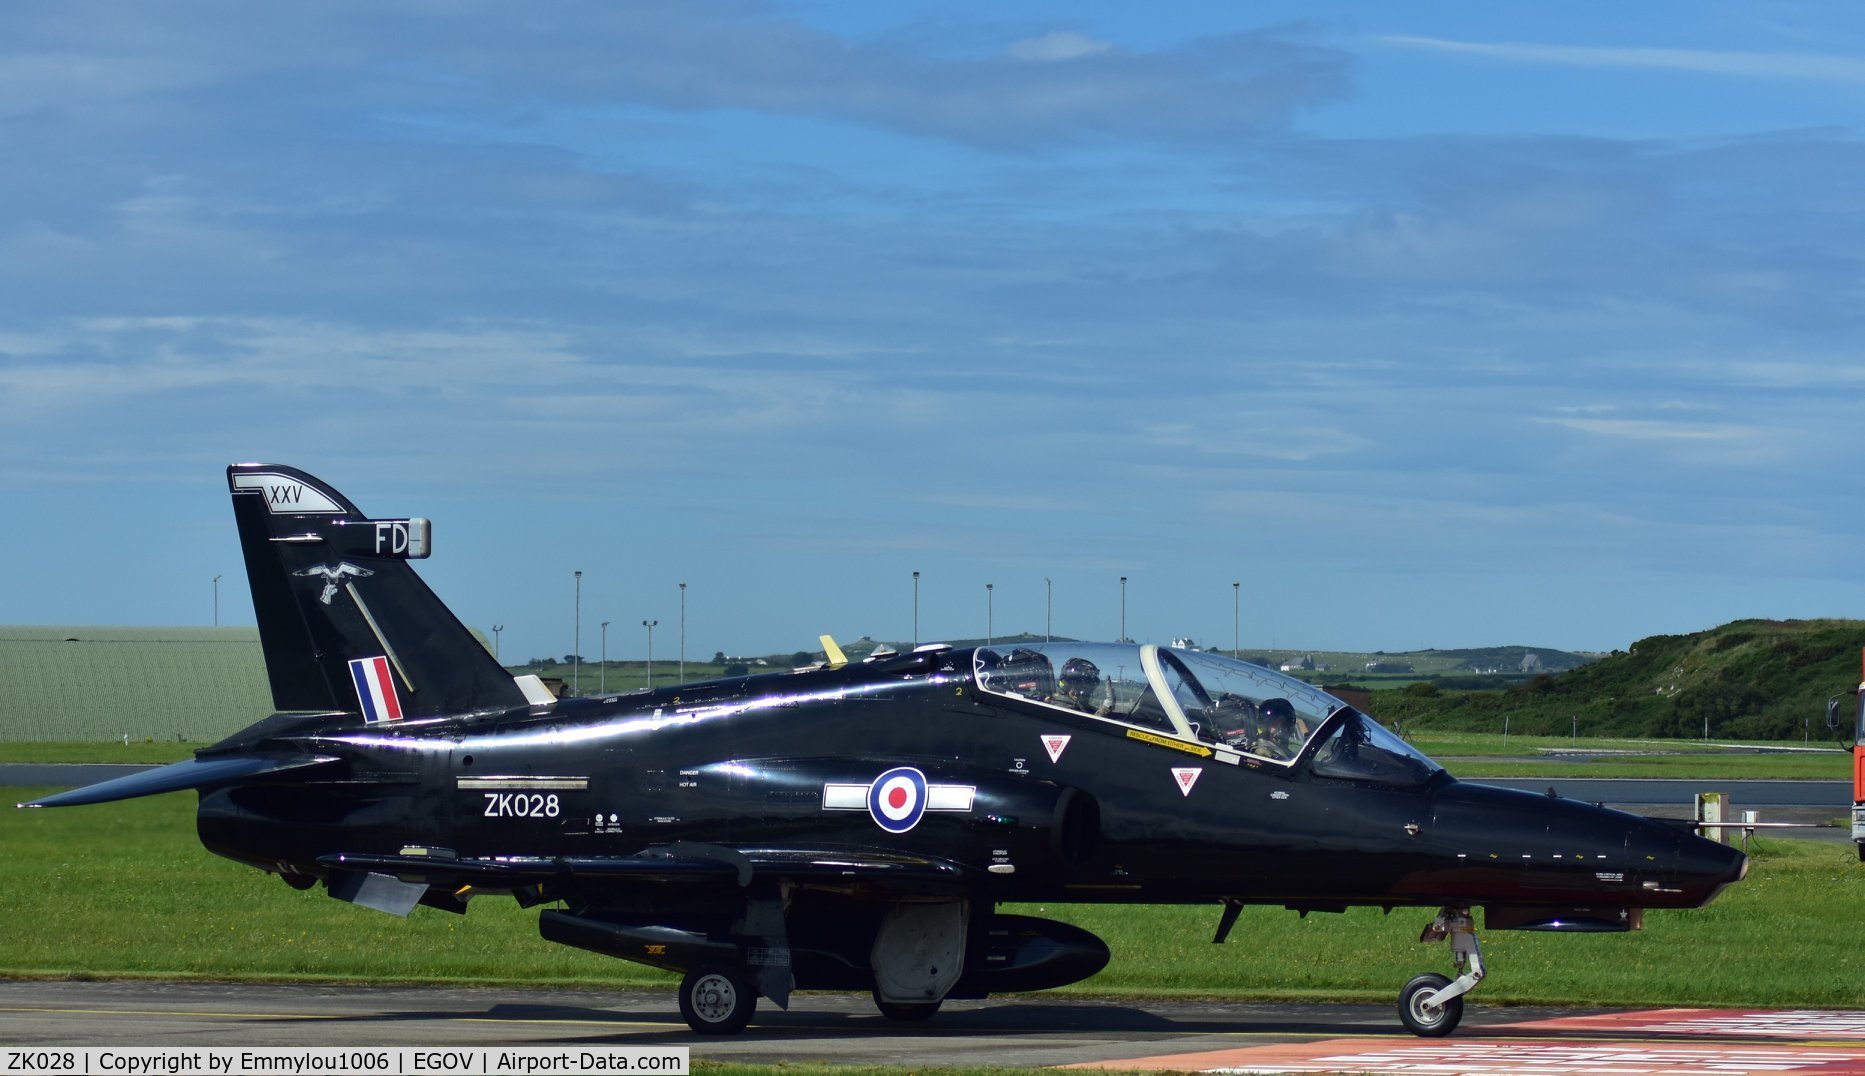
x: 1685, y: 870
x: 1561, y: 850
x: 1706, y: 866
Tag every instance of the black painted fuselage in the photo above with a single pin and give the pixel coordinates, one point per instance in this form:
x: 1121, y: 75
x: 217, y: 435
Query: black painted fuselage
x: 853, y: 825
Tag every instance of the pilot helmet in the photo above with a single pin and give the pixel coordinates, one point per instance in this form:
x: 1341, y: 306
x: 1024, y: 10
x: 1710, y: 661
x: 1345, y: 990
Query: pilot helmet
x: 1079, y: 675
x: 1278, y: 710
x: 1028, y: 672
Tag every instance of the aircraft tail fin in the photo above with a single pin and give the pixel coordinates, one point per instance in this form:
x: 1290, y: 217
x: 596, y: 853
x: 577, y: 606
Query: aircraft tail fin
x: 345, y: 621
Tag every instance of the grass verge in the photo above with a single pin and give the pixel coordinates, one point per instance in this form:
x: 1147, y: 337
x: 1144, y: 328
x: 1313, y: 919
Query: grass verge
x: 1471, y: 754
x: 135, y: 753
x: 125, y: 890
x: 1480, y: 754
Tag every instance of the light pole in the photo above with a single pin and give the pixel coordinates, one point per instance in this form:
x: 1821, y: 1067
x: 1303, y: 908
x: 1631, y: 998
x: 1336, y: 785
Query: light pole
x: 602, y: 678
x: 682, y: 633
x: 1236, y: 621
x: 649, y: 624
x: 1049, y: 605
x: 216, y: 601
x: 916, y: 610
x: 1123, y: 608
x: 576, y: 642
x: 989, y: 608
x: 496, y: 628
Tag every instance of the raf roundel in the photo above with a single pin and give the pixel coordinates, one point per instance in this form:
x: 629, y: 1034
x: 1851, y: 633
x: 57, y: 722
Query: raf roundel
x: 897, y: 799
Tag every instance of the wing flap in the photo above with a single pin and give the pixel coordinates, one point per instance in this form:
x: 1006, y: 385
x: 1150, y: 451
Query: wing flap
x: 668, y: 865
x: 884, y: 869
x: 496, y: 872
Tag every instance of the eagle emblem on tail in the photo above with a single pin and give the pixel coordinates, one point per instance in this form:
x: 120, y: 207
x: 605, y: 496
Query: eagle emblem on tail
x: 332, y: 577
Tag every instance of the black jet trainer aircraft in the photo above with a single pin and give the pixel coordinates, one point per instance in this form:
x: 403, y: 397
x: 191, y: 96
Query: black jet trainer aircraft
x: 855, y: 826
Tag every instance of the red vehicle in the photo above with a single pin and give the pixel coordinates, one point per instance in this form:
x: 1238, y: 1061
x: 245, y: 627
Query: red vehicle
x: 1858, y: 766
x: 1858, y: 755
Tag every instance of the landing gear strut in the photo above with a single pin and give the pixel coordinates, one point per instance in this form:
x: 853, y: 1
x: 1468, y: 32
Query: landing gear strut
x: 1431, y: 1005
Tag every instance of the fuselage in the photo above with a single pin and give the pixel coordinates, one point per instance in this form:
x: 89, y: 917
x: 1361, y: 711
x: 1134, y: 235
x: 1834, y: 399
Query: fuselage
x: 1034, y: 801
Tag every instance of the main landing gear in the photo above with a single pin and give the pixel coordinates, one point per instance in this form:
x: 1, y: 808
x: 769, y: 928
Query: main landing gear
x: 904, y: 1012
x: 717, y: 999
x: 1431, y: 1005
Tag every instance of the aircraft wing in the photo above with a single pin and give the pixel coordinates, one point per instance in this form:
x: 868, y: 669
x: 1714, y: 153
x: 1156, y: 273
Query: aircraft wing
x: 675, y: 863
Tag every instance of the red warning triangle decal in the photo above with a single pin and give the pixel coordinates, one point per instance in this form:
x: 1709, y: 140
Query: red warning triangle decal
x: 1054, y: 745
x: 1186, y: 776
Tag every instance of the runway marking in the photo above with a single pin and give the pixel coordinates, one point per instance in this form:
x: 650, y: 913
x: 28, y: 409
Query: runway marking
x: 1453, y: 1058
x: 1805, y: 1024
x: 1830, y: 1043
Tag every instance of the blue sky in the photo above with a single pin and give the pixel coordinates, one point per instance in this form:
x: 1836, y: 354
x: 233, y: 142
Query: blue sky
x: 1431, y: 324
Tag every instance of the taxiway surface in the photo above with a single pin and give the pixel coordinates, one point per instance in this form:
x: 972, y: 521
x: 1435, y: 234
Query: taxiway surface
x: 1177, y: 1035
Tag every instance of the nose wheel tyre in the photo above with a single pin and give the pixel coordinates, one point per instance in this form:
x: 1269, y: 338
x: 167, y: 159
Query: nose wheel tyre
x: 1424, y: 1020
x: 717, y: 1000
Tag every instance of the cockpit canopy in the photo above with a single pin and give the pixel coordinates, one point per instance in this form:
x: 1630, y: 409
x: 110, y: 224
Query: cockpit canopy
x: 1199, y: 696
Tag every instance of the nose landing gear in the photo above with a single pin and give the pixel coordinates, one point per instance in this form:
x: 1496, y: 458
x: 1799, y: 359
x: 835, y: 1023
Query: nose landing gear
x: 1431, y: 1005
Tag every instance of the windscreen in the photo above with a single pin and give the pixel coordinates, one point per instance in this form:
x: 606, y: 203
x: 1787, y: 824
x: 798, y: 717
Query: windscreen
x: 1360, y: 749
x: 1248, y: 707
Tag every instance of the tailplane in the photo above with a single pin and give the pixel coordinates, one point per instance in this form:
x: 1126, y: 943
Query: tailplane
x: 345, y: 621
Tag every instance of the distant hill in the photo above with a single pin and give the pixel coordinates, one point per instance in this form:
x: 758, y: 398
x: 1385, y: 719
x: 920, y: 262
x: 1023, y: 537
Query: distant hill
x: 1508, y: 659
x: 1407, y: 665
x: 1748, y: 679
x: 1363, y: 667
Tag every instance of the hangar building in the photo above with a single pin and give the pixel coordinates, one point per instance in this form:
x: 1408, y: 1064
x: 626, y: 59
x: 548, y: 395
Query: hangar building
x: 105, y: 683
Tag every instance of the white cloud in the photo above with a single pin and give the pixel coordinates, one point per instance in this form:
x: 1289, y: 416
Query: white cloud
x: 1286, y: 438
x: 1632, y: 429
x: 1057, y: 45
x: 1811, y: 67
x: 31, y: 81
x: 481, y: 68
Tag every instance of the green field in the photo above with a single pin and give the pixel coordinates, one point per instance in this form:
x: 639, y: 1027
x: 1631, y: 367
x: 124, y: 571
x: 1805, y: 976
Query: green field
x: 134, y: 753
x: 125, y: 890
x: 1466, y: 754
x: 1485, y: 754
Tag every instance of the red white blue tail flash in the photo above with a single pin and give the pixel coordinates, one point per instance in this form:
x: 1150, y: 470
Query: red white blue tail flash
x: 375, y: 690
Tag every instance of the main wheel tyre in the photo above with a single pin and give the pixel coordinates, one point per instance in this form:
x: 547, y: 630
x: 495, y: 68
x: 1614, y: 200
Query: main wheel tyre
x: 717, y: 1000
x: 1429, y: 1021
x: 905, y: 1011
